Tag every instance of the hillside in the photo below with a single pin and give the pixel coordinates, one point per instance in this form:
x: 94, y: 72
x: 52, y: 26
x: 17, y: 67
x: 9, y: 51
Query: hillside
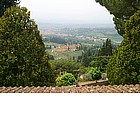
x: 58, y: 38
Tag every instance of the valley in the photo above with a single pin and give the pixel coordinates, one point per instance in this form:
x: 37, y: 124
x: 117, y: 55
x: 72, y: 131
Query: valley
x: 70, y: 41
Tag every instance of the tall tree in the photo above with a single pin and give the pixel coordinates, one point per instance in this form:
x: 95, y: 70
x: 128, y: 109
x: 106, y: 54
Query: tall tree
x: 85, y: 58
x: 23, y: 58
x: 4, y: 4
x: 122, y: 11
x: 106, y: 49
x: 124, y: 66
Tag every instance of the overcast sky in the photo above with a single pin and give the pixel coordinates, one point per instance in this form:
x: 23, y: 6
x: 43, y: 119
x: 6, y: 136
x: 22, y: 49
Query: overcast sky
x: 67, y: 11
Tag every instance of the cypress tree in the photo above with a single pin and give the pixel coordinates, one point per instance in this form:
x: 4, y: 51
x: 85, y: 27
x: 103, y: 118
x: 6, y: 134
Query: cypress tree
x: 24, y: 61
x: 4, y: 4
x: 124, y: 66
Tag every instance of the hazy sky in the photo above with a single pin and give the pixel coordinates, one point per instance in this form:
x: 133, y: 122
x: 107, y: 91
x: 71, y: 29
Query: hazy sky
x: 67, y: 11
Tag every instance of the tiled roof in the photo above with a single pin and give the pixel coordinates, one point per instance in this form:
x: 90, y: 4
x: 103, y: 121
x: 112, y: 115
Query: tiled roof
x: 74, y: 89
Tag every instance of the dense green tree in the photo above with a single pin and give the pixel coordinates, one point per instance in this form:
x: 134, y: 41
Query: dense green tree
x: 124, y: 66
x: 100, y: 62
x: 24, y: 61
x: 90, y: 58
x: 66, y: 79
x: 85, y: 58
x: 122, y: 11
x: 4, y: 4
x: 106, y: 49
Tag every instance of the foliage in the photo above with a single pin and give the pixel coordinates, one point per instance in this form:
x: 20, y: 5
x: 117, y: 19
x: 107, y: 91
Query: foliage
x: 100, y: 62
x: 89, y: 58
x: 85, y: 58
x: 95, y: 73
x: 4, y: 4
x: 124, y: 66
x: 66, y: 79
x: 24, y: 61
x: 106, y: 49
x: 122, y: 10
x: 83, y: 70
x: 62, y: 66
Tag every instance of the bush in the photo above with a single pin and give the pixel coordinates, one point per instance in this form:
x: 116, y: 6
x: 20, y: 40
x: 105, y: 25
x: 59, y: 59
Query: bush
x: 95, y: 73
x: 66, y: 79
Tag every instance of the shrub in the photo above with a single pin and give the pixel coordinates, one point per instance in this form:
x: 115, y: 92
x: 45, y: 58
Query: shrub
x: 95, y: 73
x: 66, y: 79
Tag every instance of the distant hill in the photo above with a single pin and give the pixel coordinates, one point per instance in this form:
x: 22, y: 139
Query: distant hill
x: 52, y: 25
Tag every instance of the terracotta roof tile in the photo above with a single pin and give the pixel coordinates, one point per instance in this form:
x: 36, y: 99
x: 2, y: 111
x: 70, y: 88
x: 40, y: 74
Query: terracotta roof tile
x: 74, y: 89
